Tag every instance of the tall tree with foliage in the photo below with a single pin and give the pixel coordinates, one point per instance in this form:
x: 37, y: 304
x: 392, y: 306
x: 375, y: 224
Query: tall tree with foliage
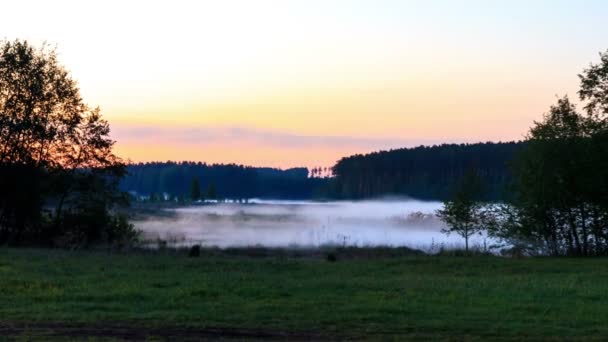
x: 594, y: 94
x: 463, y: 212
x: 55, y: 152
x: 547, y: 184
x: 561, y: 193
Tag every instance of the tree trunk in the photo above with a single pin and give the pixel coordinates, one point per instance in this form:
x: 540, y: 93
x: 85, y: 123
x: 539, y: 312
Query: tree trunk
x: 568, y: 235
x: 466, y: 239
x: 577, y: 241
x: 597, y: 233
x: 584, y: 229
x: 554, y: 247
x: 58, y: 211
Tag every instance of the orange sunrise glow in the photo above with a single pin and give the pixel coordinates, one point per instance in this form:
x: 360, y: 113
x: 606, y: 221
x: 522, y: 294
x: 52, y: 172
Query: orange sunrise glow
x: 316, y: 79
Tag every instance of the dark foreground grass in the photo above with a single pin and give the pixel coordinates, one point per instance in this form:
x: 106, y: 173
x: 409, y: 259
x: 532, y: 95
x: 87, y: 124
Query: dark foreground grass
x: 382, y: 297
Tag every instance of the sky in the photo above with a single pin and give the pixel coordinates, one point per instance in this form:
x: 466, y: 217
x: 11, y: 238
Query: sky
x: 303, y: 83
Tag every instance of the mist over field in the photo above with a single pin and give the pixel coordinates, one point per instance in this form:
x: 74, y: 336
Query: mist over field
x: 393, y: 223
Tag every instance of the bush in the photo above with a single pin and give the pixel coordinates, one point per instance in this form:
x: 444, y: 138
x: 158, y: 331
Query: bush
x: 120, y: 233
x: 85, y: 228
x: 331, y: 257
x: 195, y: 251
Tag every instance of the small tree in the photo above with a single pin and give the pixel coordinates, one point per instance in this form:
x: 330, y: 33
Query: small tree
x: 195, y: 190
x: 462, y: 212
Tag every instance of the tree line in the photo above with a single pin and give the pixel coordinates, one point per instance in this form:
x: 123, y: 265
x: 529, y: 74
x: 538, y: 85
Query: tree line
x: 219, y: 181
x: 425, y: 172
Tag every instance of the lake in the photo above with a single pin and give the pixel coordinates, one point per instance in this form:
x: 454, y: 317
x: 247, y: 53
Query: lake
x: 394, y: 223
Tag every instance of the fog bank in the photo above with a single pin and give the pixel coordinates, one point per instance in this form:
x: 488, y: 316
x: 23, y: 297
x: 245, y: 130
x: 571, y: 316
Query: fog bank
x: 394, y: 223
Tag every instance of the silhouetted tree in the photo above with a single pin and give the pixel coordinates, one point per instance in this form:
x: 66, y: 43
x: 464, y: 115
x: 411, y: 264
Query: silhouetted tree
x: 54, y: 153
x: 560, y: 202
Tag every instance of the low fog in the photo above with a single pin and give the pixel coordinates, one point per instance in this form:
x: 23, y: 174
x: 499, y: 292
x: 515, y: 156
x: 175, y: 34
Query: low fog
x: 392, y: 223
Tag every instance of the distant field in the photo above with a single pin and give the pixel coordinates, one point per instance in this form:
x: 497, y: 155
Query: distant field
x: 365, y: 295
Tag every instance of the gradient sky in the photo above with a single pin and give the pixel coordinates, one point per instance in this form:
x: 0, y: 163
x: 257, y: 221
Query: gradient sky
x: 303, y: 83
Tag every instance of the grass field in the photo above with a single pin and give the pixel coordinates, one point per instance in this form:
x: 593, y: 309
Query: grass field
x: 46, y: 294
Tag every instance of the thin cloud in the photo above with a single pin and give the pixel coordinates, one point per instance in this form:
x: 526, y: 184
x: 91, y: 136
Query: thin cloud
x: 241, y: 135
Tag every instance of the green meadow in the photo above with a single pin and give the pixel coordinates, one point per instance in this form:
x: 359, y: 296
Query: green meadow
x: 279, y: 294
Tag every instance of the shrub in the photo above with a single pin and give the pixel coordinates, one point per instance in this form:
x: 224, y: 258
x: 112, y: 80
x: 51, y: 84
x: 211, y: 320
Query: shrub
x: 331, y: 257
x: 195, y: 251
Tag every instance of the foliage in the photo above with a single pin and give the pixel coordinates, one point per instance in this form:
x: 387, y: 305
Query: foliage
x: 56, y: 162
x: 594, y: 89
x: 463, y: 212
x: 561, y: 189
